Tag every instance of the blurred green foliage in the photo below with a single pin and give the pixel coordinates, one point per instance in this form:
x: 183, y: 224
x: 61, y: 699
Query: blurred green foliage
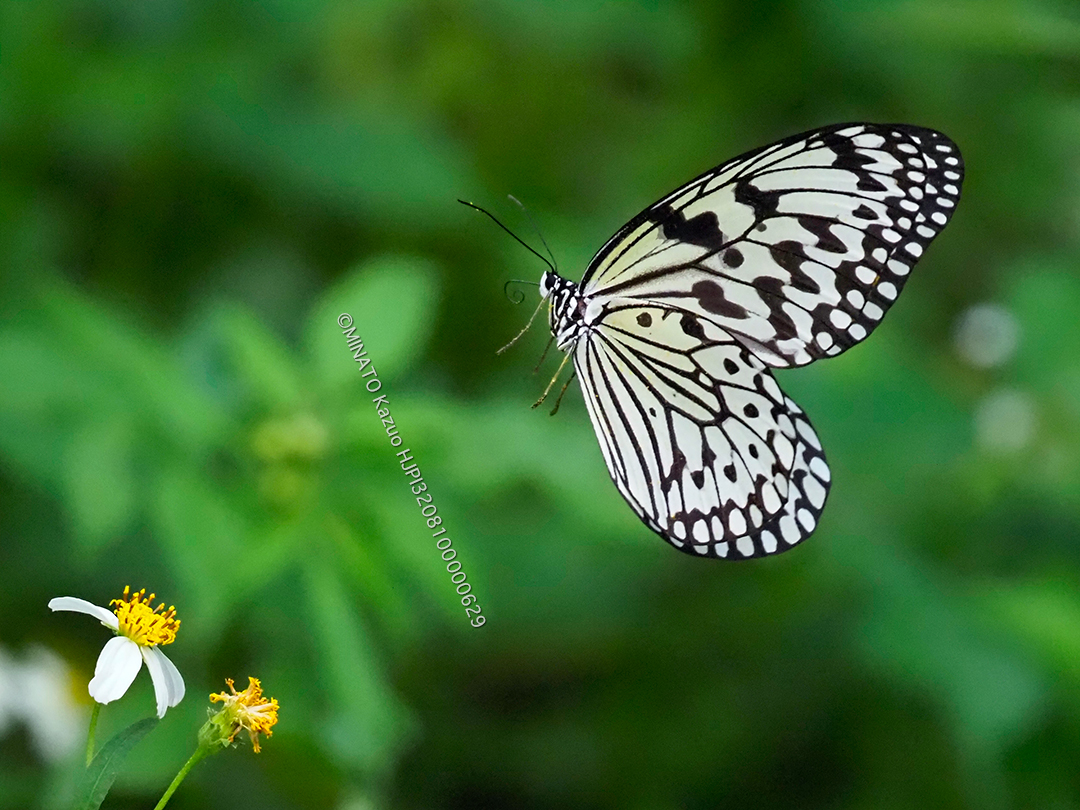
x: 191, y: 194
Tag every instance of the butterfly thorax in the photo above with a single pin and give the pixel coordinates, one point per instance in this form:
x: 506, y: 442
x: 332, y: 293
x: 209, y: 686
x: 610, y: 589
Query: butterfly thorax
x: 566, y: 310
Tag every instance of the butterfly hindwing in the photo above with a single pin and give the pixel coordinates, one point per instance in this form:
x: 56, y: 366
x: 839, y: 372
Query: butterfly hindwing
x: 697, y: 435
x: 797, y: 249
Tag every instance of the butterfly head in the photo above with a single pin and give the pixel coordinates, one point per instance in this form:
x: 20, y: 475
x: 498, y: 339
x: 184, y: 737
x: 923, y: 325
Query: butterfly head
x: 565, y: 309
x: 547, y: 283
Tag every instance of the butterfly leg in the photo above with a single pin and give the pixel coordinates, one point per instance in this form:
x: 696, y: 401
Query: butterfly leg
x: 566, y: 385
x: 540, y: 362
x: 547, y: 390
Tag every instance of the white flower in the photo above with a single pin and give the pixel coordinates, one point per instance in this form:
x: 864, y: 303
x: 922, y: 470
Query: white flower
x: 35, y: 690
x: 140, y: 629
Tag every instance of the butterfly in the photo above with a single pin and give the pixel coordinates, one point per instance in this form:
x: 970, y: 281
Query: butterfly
x: 787, y: 254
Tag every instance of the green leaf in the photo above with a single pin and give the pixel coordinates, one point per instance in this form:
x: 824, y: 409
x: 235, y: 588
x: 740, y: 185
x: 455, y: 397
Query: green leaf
x: 99, y: 481
x: 1045, y: 297
x: 384, y: 161
x: 189, y: 517
x: 1045, y: 616
x: 997, y: 28
x: 368, y: 724
x: 259, y: 358
x: 141, y: 375
x: 102, y: 772
x: 391, y: 301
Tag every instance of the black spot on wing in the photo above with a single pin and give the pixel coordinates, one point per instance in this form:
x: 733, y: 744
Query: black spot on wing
x: 702, y: 230
x: 790, y: 255
x: 867, y: 182
x: 764, y: 203
x: 847, y: 156
x: 692, y: 327
x: 678, y: 464
x: 708, y: 456
x: 780, y: 321
x: 644, y: 319
x: 826, y: 239
x: 710, y: 296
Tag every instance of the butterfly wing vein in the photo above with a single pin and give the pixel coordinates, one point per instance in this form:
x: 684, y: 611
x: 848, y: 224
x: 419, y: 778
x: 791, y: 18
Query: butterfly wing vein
x: 698, y: 437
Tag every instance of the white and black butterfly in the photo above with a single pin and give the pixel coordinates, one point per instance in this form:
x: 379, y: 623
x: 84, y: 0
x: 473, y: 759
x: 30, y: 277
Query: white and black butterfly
x: 787, y: 254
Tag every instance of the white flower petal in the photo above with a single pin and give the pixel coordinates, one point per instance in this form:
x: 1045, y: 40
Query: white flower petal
x: 117, y: 667
x: 103, y: 615
x: 168, y: 684
x: 56, y: 722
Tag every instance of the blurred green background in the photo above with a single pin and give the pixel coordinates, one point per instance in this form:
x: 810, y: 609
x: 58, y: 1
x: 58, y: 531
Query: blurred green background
x: 192, y: 192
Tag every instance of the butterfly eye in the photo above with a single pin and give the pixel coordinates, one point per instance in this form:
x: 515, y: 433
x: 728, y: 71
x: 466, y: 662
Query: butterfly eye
x: 545, y: 284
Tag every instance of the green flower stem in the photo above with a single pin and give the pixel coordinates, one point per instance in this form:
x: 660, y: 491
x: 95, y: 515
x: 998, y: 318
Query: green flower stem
x: 90, y: 733
x: 201, y: 752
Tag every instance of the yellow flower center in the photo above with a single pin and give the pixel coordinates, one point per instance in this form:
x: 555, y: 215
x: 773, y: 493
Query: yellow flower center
x: 248, y: 710
x: 144, y: 625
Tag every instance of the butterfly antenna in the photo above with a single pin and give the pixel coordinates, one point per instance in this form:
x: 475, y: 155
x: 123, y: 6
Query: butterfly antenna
x: 536, y: 230
x: 566, y: 385
x: 516, y: 237
x: 525, y: 329
x: 518, y: 295
x: 553, y: 379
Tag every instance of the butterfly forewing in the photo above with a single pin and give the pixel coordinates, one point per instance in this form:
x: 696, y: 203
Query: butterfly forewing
x: 797, y: 249
x: 697, y: 435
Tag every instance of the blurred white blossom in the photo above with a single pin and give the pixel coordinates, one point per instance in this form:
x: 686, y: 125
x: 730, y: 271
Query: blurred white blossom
x: 986, y: 335
x: 36, y: 691
x: 1005, y: 421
